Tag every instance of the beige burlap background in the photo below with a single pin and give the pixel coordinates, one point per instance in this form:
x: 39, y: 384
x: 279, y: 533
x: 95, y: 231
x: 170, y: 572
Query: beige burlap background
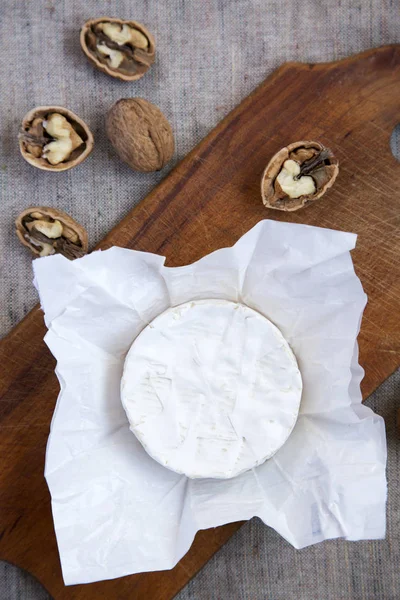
x: 211, y: 54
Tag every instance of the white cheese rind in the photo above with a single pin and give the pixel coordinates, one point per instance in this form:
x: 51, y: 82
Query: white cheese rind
x: 211, y: 389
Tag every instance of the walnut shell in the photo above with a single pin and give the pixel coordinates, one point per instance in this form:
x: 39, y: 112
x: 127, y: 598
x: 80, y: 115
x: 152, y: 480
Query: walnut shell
x: 72, y: 243
x: 138, y: 60
x: 324, y: 174
x: 140, y: 133
x: 32, y: 152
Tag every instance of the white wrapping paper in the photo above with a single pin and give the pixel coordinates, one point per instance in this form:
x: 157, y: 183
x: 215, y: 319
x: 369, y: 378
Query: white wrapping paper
x: 117, y: 511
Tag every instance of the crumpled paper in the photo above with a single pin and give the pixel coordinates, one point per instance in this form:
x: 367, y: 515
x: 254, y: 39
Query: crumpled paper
x: 116, y: 510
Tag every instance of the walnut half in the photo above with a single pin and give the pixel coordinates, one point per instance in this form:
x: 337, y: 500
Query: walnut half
x: 53, y: 138
x: 122, y: 49
x: 47, y: 231
x: 298, y: 175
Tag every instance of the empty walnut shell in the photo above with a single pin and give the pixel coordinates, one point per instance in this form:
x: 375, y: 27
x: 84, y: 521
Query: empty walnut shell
x: 315, y: 161
x: 137, y: 58
x: 47, y: 231
x: 140, y: 133
x: 33, y: 137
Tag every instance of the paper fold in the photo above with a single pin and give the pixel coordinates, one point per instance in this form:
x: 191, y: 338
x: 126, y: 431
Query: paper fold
x: 117, y: 511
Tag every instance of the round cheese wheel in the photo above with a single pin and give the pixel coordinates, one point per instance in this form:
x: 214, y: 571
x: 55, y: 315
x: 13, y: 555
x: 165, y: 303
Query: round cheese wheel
x: 211, y: 388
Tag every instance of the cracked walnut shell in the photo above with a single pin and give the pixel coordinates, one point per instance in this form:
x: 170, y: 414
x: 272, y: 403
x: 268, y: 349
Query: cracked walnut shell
x: 121, y: 49
x: 53, y: 138
x: 140, y: 133
x: 47, y: 231
x: 298, y: 175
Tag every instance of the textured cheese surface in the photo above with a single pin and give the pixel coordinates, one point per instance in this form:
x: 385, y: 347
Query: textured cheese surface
x: 211, y: 388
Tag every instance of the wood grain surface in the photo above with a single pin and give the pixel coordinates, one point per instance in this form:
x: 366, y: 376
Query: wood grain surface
x: 210, y: 199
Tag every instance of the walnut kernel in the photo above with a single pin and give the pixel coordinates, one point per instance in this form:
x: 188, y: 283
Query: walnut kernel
x: 53, y: 138
x: 298, y: 175
x: 122, y: 49
x: 47, y: 231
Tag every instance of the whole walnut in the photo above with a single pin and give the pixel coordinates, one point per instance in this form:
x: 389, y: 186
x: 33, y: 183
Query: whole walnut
x: 140, y: 133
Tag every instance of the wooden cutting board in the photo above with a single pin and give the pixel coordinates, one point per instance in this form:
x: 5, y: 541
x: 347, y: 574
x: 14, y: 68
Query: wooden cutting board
x: 210, y: 199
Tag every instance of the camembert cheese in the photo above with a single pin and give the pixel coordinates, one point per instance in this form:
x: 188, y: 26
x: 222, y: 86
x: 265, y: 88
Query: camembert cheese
x: 211, y: 388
